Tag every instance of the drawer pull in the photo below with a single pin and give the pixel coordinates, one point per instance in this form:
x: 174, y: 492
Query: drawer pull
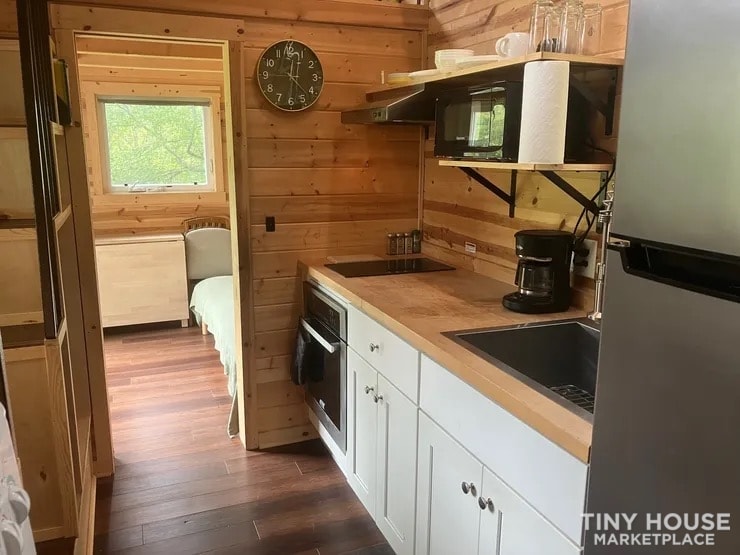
x: 368, y: 389
x: 468, y: 488
x: 486, y: 504
x: 378, y: 398
x: 374, y: 347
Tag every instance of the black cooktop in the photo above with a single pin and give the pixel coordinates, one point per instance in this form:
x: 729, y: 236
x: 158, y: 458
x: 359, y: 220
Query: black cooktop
x: 393, y: 266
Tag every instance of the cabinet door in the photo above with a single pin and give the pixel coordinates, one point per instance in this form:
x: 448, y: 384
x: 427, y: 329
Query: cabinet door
x: 447, y: 518
x: 362, y: 412
x: 396, y: 500
x: 509, y: 526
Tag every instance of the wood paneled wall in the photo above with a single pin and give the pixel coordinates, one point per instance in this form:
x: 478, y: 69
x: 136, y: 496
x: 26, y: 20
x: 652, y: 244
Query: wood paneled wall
x: 459, y: 210
x: 332, y: 188
x: 125, y: 65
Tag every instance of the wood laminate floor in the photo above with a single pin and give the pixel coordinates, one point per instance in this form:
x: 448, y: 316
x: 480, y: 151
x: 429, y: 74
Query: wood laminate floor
x: 183, y: 487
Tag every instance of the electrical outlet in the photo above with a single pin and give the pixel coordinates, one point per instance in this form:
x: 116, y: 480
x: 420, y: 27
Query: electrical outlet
x: 588, y: 269
x: 470, y: 247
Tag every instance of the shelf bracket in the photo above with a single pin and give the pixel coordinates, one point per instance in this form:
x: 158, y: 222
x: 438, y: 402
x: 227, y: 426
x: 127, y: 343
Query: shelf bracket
x: 571, y: 191
x: 508, y: 198
x: 605, y: 108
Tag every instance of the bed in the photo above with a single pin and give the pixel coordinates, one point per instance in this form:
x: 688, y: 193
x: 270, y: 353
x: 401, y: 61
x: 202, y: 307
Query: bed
x: 208, y: 259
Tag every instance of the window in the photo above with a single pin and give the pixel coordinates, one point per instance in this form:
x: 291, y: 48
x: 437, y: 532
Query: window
x: 157, y: 145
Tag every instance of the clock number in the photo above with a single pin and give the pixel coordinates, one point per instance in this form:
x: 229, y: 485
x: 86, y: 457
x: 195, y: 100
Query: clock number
x: 315, y: 77
x: 278, y: 52
x: 311, y: 90
x: 269, y: 87
x: 270, y: 62
x: 279, y: 95
x: 291, y: 101
x: 311, y: 63
x: 302, y: 98
x: 265, y: 75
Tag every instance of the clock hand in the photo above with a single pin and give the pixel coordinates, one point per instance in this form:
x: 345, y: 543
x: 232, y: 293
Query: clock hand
x: 297, y: 83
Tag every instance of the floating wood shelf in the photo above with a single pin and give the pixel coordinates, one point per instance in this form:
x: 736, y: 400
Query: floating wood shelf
x: 510, y: 166
x: 504, y: 67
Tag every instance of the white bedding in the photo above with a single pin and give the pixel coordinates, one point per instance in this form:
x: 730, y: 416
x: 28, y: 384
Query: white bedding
x: 212, y: 302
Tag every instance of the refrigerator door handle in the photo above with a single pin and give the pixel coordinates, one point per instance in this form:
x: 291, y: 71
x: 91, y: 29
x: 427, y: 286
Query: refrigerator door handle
x: 699, y: 271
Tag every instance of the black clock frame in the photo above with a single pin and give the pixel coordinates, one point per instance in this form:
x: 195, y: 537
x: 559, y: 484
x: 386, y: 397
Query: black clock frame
x: 312, y: 75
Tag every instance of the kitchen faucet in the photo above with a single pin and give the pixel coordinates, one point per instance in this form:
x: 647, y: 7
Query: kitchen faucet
x: 605, y: 219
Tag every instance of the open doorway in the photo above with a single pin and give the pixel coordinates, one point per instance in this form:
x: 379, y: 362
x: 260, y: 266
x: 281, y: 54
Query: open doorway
x: 156, y: 124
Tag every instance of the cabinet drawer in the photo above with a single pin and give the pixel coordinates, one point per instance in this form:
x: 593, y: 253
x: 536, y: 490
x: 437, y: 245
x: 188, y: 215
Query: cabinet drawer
x: 549, y: 478
x: 387, y: 353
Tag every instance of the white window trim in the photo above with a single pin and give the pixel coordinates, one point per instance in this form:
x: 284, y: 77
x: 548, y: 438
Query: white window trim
x: 212, y: 122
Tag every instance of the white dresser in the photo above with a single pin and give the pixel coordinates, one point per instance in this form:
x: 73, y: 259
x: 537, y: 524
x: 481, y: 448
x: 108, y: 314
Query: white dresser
x: 142, y: 279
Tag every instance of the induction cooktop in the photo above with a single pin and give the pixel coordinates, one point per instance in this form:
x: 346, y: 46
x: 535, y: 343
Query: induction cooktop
x: 393, y: 266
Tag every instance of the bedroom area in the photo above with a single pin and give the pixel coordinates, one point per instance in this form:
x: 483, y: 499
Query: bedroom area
x: 155, y: 126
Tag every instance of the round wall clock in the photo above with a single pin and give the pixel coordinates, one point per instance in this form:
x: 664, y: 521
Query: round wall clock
x: 290, y: 75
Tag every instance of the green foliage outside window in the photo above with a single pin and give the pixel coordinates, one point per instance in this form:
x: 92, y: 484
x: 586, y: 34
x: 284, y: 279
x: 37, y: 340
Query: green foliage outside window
x: 156, y: 144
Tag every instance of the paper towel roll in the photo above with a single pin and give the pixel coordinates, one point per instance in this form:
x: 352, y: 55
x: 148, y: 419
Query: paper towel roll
x: 544, y: 112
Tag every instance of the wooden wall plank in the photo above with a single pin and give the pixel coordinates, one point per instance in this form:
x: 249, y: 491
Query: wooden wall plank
x: 269, y: 153
x: 328, y: 181
x: 287, y: 237
x: 372, y: 14
x: 334, y: 208
x: 276, y: 291
x: 276, y: 317
x: 132, y: 22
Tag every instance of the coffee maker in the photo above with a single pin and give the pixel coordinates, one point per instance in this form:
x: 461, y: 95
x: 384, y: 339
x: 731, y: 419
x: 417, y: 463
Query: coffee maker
x: 543, y: 272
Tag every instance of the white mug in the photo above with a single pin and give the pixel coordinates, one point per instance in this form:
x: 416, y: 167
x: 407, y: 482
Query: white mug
x: 513, y: 45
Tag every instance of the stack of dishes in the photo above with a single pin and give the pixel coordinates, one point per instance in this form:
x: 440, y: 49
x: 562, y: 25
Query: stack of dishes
x: 471, y: 61
x: 446, y: 60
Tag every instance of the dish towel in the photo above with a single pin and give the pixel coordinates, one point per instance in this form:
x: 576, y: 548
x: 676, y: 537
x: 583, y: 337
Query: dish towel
x: 307, y: 360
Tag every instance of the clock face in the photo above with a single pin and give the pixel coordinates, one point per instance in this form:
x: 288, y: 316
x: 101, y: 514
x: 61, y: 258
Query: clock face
x: 290, y: 75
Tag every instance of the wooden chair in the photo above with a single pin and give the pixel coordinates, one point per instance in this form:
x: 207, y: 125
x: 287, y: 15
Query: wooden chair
x: 200, y: 222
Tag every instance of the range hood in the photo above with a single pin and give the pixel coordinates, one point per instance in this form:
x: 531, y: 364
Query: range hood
x: 408, y: 105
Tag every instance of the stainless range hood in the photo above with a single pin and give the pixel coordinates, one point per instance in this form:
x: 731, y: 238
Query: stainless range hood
x: 407, y: 105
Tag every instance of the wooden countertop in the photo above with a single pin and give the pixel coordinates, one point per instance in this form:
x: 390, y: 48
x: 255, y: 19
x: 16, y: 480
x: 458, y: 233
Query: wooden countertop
x: 419, y: 307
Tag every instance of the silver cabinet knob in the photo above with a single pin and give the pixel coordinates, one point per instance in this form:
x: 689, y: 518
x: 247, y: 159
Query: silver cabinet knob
x: 468, y: 488
x: 486, y: 504
x: 368, y: 389
x: 374, y: 347
x: 378, y: 398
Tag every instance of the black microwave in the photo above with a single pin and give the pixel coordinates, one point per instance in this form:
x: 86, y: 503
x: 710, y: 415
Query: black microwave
x: 484, y: 123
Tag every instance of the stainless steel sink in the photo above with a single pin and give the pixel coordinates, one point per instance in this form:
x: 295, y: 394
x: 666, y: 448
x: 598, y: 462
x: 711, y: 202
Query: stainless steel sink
x: 556, y: 358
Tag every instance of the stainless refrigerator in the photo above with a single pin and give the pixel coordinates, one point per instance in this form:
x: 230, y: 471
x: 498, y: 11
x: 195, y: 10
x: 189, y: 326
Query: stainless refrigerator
x: 667, y: 418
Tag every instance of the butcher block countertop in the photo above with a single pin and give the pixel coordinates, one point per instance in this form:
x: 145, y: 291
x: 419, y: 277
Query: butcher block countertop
x: 419, y: 307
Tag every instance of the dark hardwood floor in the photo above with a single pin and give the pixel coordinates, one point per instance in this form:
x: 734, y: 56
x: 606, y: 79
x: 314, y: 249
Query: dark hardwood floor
x: 183, y: 487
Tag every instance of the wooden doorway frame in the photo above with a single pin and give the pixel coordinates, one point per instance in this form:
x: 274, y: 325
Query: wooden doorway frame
x: 67, y: 21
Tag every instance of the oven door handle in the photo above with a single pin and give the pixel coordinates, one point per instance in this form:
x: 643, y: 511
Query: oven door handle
x: 330, y: 347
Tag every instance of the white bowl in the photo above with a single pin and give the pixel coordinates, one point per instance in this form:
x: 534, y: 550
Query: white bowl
x: 447, y: 59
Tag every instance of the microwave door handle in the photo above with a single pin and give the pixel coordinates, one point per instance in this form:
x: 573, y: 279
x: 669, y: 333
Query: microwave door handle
x: 330, y: 347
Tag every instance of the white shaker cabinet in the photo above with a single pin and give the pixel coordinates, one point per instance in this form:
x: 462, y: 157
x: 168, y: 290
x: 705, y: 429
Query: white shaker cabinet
x: 509, y: 526
x: 463, y: 507
x: 362, y: 434
x: 448, y: 518
x: 396, y: 500
x: 381, y: 451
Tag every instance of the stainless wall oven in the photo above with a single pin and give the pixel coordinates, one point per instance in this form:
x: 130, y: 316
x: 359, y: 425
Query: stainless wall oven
x: 325, y: 321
